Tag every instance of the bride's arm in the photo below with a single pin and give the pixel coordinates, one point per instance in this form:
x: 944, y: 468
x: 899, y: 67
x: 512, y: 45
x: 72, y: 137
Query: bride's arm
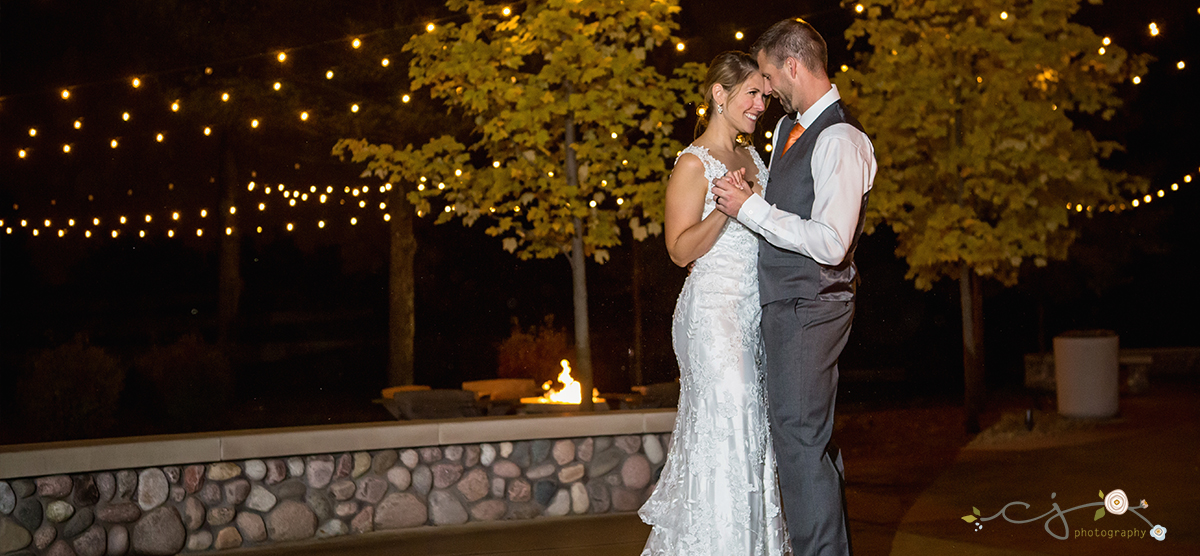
x: 688, y: 236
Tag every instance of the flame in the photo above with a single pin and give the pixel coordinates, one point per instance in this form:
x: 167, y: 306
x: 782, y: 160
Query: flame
x: 570, y: 393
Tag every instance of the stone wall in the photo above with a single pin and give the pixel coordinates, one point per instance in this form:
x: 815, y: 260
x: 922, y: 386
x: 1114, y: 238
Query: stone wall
x: 222, y: 505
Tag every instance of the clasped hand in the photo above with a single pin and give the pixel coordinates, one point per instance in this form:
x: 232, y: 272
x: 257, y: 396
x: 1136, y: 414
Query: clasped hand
x: 731, y: 190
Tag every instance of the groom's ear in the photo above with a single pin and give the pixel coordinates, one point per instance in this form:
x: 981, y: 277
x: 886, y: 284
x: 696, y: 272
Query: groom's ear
x: 792, y: 67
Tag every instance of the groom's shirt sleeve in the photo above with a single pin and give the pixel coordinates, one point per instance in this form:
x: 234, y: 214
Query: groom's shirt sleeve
x: 843, y: 168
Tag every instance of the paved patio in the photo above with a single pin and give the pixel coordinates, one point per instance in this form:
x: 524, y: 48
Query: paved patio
x: 911, y: 476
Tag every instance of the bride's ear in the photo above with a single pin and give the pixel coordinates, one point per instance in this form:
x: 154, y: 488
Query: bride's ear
x: 718, y: 93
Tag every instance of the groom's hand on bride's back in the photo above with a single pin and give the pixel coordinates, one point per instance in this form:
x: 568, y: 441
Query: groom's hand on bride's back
x: 731, y: 190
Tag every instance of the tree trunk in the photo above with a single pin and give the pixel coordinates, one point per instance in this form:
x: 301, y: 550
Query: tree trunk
x: 401, y: 289
x: 229, y: 288
x: 973, y: 369
x: 637, y: 378
x: 972, y: 305
x: 583, y: 345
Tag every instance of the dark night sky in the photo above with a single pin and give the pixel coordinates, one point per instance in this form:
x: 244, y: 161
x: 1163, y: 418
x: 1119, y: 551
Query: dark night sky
x: 52, y: 288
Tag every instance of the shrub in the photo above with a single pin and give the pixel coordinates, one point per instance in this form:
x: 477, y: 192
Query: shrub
x: 535, y: 352
x: 190, y: 379
x: 72, y: 391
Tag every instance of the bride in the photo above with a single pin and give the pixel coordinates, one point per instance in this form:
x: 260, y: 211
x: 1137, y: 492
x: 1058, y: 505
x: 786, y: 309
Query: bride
x: 718, y: 494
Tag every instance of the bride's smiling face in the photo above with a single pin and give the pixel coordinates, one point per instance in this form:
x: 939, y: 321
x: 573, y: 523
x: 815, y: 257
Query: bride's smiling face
x: 744, y: 104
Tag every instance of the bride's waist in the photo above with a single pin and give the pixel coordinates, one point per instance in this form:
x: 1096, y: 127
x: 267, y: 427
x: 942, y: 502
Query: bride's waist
x: 725, y: 270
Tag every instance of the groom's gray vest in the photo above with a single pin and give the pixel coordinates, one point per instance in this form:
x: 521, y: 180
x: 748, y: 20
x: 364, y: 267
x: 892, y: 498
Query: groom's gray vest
x: 786, y: 274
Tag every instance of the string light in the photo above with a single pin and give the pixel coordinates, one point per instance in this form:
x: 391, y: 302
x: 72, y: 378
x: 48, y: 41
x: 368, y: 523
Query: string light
x: 354, y: 108
x: 405, y: 99
x: 329, y: 74
x: 1153, y: 29
x: 207, y: 131
x: 33, y: 132
x: 858, y: 8
x: 1003, y: 15
x: 175, y: 106
x: 277, y: 85
x: 739, y: 35
x: 125, y: 116
x: 282, y: 57
x: 384, y: 62
x: 224, y: 97
x: 680, y: 46
x: 136, y: 82
x: 1180, y: 65
x: 355, y: 43
x: 430, y: 28
x: 66, y: 94
x: 506, y: 11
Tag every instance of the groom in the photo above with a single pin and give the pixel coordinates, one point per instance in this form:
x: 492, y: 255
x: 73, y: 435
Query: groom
x: 822, y: 167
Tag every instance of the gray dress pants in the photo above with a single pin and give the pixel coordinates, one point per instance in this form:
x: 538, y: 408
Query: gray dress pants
x: 803, y: 339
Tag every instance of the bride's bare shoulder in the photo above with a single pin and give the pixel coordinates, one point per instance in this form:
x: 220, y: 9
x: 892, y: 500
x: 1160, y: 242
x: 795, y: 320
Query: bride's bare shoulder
x: 689, y: 165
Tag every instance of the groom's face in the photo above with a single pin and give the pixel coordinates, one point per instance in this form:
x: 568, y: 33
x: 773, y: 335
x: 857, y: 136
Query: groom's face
x: 776, y: 81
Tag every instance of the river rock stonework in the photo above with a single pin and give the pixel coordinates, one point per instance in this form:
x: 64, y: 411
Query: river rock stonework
x: 225, y: 505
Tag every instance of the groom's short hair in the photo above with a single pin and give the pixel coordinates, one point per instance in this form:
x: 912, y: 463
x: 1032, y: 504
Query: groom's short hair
x: 795, y: 38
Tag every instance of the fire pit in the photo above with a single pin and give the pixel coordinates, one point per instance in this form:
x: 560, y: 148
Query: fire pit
x: 565, y: 399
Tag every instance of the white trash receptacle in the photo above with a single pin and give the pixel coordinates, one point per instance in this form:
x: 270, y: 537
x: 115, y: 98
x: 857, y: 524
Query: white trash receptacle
x: 1086, y: 373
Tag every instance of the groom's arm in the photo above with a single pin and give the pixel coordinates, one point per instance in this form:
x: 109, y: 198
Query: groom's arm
x: 843, y: 165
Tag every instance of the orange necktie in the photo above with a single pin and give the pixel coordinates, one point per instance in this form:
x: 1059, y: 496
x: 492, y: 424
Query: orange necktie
x: 792, y: 136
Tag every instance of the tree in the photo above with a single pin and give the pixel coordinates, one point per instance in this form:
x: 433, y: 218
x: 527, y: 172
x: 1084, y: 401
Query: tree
x: 980, y: 160
x: 571, y: 133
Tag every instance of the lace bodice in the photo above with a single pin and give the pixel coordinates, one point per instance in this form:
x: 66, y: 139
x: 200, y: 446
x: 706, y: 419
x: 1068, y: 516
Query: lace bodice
x: 736, y: 241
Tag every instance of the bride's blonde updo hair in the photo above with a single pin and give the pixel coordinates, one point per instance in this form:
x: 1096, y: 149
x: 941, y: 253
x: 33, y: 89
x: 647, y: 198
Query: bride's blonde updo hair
x: 730, y: 69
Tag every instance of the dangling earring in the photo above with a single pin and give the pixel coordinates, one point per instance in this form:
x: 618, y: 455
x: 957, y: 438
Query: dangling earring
x: 720, y: 109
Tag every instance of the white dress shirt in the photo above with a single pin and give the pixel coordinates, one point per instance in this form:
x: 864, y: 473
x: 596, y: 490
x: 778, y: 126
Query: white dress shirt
x: 843, y: 169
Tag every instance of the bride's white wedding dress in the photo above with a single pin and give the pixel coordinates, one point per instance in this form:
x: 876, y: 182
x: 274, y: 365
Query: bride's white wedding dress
x: 718, y: 494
